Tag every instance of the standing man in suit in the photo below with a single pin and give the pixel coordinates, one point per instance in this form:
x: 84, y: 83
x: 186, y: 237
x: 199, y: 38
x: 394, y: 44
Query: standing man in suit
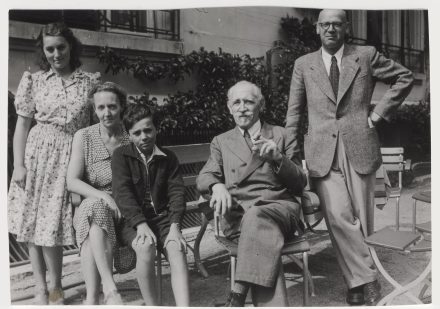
x: 252, y: 183
x: 341, y: 147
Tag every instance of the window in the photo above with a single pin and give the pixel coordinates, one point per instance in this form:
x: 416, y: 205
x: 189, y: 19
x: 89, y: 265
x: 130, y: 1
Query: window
x: 159, y: 24
x: 400, y: 35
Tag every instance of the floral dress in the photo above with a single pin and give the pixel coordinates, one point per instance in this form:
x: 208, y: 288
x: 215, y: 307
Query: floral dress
x: 98, y: 174
x: 41, y: 213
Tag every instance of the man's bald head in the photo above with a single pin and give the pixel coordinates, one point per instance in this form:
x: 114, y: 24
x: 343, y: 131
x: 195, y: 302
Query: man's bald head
x: 334, y: 12
x: 332, y: 28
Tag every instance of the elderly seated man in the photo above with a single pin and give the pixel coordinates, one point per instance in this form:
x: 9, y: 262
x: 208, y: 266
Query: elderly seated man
x: 253, y: 178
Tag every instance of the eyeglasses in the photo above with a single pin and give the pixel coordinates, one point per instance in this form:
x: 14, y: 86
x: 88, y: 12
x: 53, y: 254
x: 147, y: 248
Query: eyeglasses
x: 336, y: 25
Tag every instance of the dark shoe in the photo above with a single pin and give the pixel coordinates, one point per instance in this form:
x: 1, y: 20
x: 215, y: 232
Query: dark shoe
x: 355, y: 296
x: 372, y: 293
x: 235, y: 300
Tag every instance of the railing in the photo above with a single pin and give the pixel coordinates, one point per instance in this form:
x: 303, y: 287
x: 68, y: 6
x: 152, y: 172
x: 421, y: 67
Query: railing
x: 413, y: 59
x: 165, y: 24
x: 160, y: 24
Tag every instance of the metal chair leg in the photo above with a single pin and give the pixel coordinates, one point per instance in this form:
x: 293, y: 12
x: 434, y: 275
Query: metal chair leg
x: 424, y: 288
x: 414, y: 215
x: 159, y: 277
x: 196, y: 251
x: 300, y: 264
x: 306, y: 275
x: 405, y: 289
x: 233, y: 264
x: 398, y: 288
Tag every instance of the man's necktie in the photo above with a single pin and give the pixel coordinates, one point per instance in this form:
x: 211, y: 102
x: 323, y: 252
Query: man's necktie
x: 247, y: 138
x: 334, y: 76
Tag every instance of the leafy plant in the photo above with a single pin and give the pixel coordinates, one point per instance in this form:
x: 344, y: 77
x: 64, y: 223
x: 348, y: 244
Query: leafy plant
x: 204, y: 108
x: 416, y: 119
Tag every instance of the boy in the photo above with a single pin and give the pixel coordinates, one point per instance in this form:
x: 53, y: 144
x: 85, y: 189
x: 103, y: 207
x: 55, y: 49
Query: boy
x: 149, y: 191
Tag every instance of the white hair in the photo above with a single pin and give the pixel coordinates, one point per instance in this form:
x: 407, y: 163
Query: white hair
x: 256, y: 91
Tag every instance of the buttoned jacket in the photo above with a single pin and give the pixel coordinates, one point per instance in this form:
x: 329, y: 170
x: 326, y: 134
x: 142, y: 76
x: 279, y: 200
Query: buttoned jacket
x: 250, y: 180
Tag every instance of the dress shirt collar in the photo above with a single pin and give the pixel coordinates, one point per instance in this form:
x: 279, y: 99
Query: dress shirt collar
x: 254, y: 130
x: 156, y: 152
x: 327, y: 58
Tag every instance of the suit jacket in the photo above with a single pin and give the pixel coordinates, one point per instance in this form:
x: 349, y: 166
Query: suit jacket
x: 347, y: 114
x: 250, y: 180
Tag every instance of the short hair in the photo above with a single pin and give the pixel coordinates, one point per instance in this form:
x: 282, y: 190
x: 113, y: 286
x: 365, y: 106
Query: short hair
x: 256, y: 91
x: 109, y: 87
x: 58, y: 29
x: 135, y: 112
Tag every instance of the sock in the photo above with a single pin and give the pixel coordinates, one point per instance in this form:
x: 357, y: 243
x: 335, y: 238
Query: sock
x: 357, y: 289
x: 241, y: 287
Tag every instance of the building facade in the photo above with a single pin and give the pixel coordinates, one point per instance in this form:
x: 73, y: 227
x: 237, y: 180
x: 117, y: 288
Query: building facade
x: 159, y: 35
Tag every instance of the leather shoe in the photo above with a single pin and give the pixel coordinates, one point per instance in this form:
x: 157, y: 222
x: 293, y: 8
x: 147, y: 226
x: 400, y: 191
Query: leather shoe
x: 235, y: 300
x: 372, y: 293
x: 355, y: 296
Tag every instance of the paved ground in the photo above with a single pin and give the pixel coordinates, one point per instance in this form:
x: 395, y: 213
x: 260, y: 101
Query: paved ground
x: 329, y: 285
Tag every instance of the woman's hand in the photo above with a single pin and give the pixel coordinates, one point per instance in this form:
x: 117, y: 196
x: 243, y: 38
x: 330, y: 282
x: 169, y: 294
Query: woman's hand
x: 143, y: 233
x: 19, y: 176
x: 176, y: 236
x: 112, y: 204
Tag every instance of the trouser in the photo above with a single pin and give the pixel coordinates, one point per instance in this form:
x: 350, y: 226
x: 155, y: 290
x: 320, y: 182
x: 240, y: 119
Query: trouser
x: 263, y: 231
x: 348, y: 203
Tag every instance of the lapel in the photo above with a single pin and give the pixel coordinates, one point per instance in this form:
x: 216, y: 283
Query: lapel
x: 238, y: 146
x: 350, y: 67
x: 256, y: 161
x: 139, y: 170
x: 320, y: 76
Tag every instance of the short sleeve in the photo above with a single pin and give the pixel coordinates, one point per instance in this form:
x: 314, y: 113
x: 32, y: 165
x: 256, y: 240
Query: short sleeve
x: 24, y: 102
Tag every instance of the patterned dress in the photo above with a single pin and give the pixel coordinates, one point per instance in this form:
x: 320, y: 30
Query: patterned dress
x: 98, y: 174
x: 42, y: 212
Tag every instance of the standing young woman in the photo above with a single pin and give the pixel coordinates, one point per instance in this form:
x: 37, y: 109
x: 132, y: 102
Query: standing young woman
x: 39, y: 211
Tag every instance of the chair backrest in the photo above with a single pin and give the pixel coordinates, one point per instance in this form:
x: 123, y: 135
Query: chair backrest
x: 393, y: 161
x: 380, y: 192
x: 191, y: 160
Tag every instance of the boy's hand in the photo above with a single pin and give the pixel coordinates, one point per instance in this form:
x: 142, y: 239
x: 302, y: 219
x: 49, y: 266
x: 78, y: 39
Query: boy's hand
x: 144, y: 233
x: 176, y: 236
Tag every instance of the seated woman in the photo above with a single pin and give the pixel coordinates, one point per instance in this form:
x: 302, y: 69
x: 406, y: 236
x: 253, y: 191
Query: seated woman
x: 149, y: 190
x: 89, y: 175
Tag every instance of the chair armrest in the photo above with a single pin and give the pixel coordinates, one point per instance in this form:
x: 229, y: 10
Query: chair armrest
x: 310, y: 203
x: 311, y: 210
x: 203, y: 206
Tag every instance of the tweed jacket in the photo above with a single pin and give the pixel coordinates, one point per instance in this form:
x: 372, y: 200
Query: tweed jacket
x: 347, y: 114
x: 250, y: 180
x: 130, y: 179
